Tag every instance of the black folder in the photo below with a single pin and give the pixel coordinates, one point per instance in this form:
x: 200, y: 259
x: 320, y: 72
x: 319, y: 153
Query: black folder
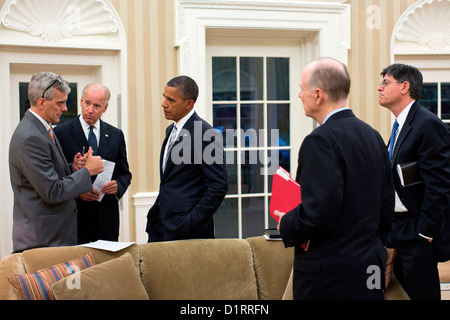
x: 409, y: 173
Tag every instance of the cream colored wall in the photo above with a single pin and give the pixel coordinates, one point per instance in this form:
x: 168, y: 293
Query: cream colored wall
x: 152, y: 61
x: 370, y: 53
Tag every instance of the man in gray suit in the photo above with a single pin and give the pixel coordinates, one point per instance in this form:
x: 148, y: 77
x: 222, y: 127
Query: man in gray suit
x: 44, y: 186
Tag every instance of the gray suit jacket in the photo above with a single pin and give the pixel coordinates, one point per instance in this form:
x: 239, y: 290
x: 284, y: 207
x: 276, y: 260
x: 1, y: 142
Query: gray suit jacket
x: 44, y: 187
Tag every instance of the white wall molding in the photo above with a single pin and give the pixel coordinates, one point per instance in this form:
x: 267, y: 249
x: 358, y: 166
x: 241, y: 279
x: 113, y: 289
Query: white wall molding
x: 142, y: 202
x: 424, y: 28
x: 69, y: 23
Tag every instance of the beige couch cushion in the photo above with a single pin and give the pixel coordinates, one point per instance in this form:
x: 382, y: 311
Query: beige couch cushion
x: 11, y: 264
x: 223, y: 270
x: 273, y: 265
x: 116, y: 279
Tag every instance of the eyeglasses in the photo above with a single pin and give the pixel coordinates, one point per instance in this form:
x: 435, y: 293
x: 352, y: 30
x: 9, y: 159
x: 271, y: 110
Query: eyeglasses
x: 57, y: 80
x: 385, y: 83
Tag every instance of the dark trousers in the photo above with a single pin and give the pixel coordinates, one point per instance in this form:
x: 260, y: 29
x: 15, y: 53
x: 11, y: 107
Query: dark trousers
x: 415, y: 266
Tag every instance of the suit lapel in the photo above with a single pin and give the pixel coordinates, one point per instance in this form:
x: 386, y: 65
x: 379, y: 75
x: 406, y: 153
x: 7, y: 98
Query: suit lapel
x: 104, y: 137
x: 189, y: 126
x: 78, y: 134
x: 404, y: 132
x: 54, y: 144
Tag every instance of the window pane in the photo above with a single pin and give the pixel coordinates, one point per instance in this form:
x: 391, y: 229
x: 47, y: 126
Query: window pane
x: 272, y: 222
x: 231, y: 161
x: 278, y: 118
x: 224, y: 118
x: 252, y: 78
x: 252, y: 217
x: 445, y: 101
x: 277, y: 78
x: 252, y: 120
x: 226, y: 219
x: 252, y: 180
x: 224, y: 79
x: 430, y: 96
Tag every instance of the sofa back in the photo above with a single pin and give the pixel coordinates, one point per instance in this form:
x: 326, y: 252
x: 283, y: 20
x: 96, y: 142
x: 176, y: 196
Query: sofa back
x: 206, y: 269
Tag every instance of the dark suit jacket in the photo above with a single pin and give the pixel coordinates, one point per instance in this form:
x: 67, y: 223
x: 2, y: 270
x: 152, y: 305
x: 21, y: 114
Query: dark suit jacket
x: 111, y: 147
x: 346, y: 211
x: 191, y: 190
x: 425, y: 138
x: 44, y: 188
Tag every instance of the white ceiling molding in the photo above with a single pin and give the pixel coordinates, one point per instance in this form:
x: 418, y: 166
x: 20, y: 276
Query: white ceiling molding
x: 77, y: 22
x: 423, y: 29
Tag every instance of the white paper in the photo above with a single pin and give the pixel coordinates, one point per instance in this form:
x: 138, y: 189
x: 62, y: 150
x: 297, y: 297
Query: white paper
x: 400, y: 175
x: 107, y: 245
x: 104, y: 177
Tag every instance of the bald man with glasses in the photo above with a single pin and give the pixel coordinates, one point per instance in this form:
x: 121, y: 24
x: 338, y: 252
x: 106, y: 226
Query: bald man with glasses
x: 44, y: 213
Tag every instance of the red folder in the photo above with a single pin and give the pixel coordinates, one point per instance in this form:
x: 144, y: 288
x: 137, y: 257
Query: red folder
x: 286, y: 195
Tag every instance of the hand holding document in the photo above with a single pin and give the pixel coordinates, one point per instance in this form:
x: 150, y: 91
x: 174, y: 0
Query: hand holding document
x: 104, y: 177
x: 286, y: 196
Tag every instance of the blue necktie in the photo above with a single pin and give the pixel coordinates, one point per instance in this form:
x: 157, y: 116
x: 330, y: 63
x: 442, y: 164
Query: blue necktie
x: 92, y: 139
x: 392, y: 141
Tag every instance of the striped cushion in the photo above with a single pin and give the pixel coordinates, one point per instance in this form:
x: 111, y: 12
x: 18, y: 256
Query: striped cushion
x: 37, y: 286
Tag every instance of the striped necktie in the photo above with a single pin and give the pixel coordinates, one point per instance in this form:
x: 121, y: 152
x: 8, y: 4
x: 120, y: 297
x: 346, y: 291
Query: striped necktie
x: 50, y: 131
x: 170, y: 145
x: 392, y: 140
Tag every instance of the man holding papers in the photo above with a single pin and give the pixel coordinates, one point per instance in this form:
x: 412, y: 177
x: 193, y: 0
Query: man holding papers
x: 347, y: 195
x: 98, y: 211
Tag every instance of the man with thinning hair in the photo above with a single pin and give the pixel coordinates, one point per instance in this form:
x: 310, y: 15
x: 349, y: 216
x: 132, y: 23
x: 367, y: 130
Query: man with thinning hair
x: 347, y: 195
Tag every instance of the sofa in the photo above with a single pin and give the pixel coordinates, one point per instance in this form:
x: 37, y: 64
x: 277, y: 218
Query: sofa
x: 208, y: 269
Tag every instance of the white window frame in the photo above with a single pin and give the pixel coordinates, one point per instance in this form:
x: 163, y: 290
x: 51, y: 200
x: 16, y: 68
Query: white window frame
x: 300, y: 125
x: 327, y: 24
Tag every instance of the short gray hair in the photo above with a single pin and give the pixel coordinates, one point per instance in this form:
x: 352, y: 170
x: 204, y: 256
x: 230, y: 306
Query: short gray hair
x: 41, y: 81
x: 95, y: 87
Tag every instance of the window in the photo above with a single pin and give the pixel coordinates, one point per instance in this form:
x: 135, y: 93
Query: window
x: 72, y: 102
x: 436, y: 98
x: 254, y: 100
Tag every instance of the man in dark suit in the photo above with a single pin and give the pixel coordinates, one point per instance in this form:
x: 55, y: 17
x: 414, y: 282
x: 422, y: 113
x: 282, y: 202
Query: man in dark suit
x: 420, y: 137
x: 44, y: 186
x: 347, y: 195
x: 194, y: 179
x: 97, y: 220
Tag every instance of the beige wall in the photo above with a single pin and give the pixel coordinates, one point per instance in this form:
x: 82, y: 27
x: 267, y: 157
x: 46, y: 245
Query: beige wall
x: 370, y: 53
x: 152, y: 61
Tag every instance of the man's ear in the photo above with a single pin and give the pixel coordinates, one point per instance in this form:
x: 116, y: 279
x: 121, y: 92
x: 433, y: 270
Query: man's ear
x: 406, y: 86
x: 189, y: 105
x: 319, y: 95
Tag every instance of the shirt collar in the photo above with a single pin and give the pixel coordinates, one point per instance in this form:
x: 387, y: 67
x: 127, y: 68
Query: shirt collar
x: 180, y: 124
x: 332, y: 113
x: 86, y: 126
x: 401, y: 119
x: 45, y: 123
